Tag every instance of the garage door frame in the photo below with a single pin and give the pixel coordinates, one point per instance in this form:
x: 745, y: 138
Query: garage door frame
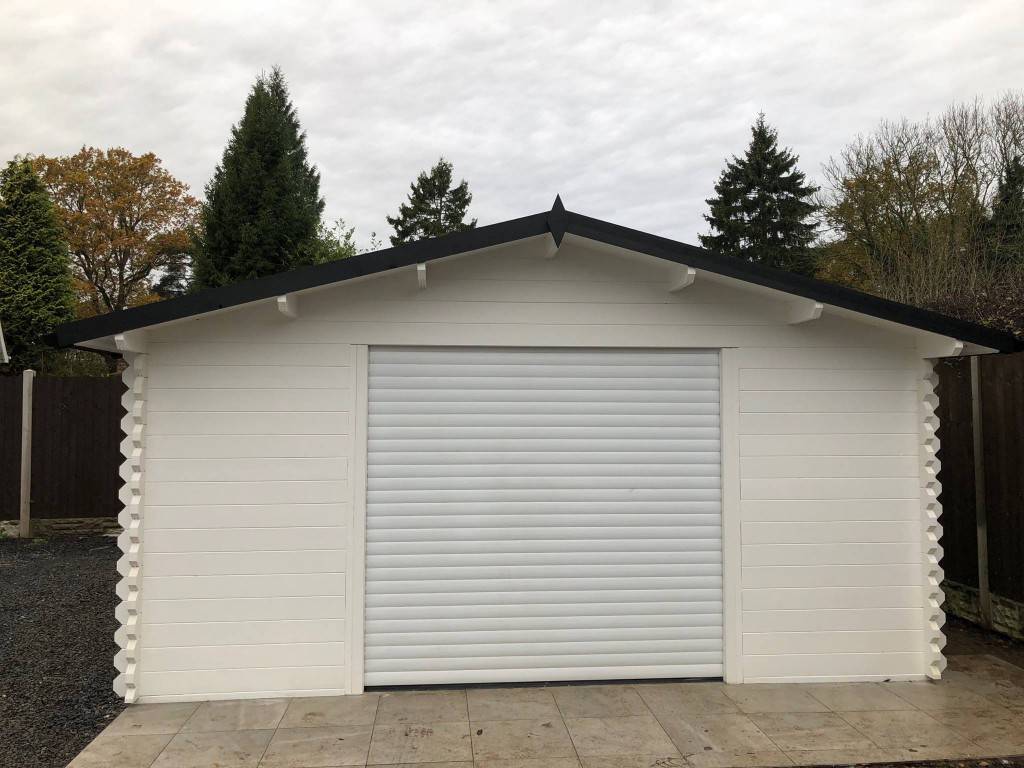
x: 731, y: 536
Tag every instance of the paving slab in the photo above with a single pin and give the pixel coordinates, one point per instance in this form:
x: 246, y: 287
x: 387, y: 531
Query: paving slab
x: 435, y: 742
x: 521, y: 739
x: 976, y: 711
x: 606, y: 736
x: 244, y: 715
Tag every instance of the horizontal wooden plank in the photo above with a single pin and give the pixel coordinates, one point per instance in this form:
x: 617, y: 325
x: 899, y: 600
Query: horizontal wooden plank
x: 832, y: 532
x: 844, y: 445
x: 454, y: 288
x: 800, y: 643
x: 283, y: 422
x: 252, y: 492
x: 230, y: 633
x: 826, y: 554
x: 469, y: 310
x: 203, y: 352
x: 197, y: 684
x: 240, y: 563
x: 169, y: 376
x: 831, y: 488
x: 212, y: 516
x: 245, y: 400
x: 778, y: 599
x: 258, y: 656
x: 496, y: 332
x: 835, y: 664
x: 832, y: 619
x: 830, y: 401
x: 246, y: 469
x: 809, y: 465
x: 783, y: 510
x: 284, y: 538
x: 232, y: 609
x: 769, y: 576
x: 817, y: 357
x: 827, y: 379
x: 828, y: 423
x: 253, y: 585
x: 246, y: 446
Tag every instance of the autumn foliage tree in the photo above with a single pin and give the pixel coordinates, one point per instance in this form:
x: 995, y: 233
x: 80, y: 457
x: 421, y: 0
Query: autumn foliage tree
x: 931, y: 212
x: 127, y: 222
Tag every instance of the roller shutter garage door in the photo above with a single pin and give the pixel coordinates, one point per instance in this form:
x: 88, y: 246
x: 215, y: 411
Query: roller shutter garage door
x: 542, y: 514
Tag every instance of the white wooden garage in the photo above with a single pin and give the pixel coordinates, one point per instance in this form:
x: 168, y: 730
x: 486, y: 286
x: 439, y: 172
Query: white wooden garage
x: 548, y: 449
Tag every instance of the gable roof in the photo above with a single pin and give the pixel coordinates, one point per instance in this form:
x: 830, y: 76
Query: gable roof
x: 558, y: 222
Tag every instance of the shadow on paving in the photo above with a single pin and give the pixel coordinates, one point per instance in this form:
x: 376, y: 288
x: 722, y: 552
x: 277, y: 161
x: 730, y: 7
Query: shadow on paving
x: 57, y: 647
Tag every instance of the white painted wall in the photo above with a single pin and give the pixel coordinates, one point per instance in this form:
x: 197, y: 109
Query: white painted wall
x: 248, y: 500
x: 251, y: 496
x: 830, y: 514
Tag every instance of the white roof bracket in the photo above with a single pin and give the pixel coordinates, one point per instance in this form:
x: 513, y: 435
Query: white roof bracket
x: 130, y: 341
x: 288, y: 305
x: 804, y: 311
x: 682, y: 277
x: 421, y: 275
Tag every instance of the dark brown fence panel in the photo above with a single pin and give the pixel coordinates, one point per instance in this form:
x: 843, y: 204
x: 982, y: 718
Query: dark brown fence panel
x: 956, y: 452
x: 76, y: 453
x: 1002, y: 407
x: 10, y: 445
x: 1002, y: 398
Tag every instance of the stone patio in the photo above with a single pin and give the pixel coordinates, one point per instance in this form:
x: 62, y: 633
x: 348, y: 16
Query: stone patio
x: 976, y: 711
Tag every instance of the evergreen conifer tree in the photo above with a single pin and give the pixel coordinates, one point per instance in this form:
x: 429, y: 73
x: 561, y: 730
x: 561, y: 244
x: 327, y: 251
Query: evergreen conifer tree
x: 761, y: 209
x: 35, y: 273
x: 435, y: 208
x: 263, y: 205
x: 1005, y: 226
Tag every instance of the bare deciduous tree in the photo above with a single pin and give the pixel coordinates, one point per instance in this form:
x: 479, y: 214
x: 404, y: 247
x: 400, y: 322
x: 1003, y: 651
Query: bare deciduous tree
x: 907, y: 207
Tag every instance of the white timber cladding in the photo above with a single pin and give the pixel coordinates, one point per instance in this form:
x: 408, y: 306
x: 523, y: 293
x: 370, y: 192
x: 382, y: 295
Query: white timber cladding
x: 542, y: 514
x: 831, y: 531
x: 251, y: 499
x: 248, y: 506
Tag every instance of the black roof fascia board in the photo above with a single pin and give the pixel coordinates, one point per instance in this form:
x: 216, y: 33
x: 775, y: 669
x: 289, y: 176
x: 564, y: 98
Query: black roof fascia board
x: 557, y: 223
x: 816, y: 290
x: 360, y: 265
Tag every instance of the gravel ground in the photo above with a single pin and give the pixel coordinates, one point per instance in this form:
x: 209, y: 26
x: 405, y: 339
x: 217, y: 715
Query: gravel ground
x: 56, y: 647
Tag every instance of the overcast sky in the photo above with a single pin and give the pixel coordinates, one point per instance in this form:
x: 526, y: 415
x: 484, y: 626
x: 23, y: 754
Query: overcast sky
x: 627, y: 109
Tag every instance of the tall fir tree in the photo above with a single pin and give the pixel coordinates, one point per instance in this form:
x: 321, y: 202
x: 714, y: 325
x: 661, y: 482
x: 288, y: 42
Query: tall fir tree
x: 263, y: 205
x: 1005, y: 225
x: 761, y: 210
x: 435, y: 208
x: 35, y: 270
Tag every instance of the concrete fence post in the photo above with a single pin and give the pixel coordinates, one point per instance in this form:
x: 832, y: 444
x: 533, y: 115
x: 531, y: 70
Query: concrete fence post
x: 25, y: 498
x: 980, y: 510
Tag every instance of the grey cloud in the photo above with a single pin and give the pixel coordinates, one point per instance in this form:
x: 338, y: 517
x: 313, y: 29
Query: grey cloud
x: 627, y: 110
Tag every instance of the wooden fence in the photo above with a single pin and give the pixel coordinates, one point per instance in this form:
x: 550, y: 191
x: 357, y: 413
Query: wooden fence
x: 1001, y: 390
x: 76, y: 447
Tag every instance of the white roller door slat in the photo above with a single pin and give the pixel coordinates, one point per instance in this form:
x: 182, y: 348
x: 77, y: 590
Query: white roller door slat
x: 542, y: 514
x: 548, y: 612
